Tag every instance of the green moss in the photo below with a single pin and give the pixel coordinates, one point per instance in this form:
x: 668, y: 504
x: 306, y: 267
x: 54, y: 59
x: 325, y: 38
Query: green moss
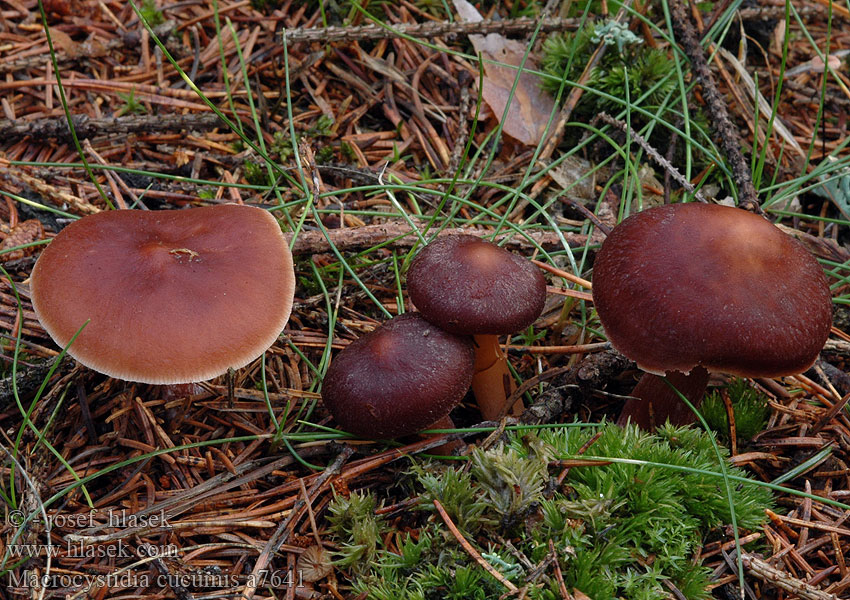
x: 255, y: 174
x: 618, y: 530
x: 354, y: 522
x: 150, y: 13
x: 749, y: 407
x: 628, y: 70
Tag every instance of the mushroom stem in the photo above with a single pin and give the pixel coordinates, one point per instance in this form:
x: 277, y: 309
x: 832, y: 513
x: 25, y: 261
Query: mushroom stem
x: 492, y: 383
x: 180, y: 391
x: 178, y: 398
x: 653, y: 401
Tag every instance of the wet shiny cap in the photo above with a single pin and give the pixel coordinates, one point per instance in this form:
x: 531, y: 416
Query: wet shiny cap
x: 468, y: 285
x: 398, y: 379
x: 171, y: 296
x: 682, y: 285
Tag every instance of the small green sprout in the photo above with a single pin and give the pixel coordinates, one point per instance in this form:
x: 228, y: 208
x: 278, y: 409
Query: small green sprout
x: 151, y: 14
x: 131, y: 105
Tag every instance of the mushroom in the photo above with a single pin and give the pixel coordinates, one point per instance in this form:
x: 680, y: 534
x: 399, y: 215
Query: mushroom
x: 398, y: 379
x: 166, y: 297
x: 683, y: 289
x: 470, y: 286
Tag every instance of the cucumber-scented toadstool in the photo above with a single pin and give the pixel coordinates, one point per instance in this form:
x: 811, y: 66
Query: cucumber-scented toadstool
x: 166, y: 297
x: 402, y: 377
x: 470, y: 286
x: 684, y: 289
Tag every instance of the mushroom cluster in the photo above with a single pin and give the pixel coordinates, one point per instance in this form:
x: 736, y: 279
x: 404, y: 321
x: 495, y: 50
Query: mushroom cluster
x: 166, y: 297
x: 684, y: 289
x: 410, y: 372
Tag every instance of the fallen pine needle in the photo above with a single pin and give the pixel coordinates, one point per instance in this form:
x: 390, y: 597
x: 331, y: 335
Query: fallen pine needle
x: 560, y: 273
x: 472, y: 551
x: 571, y: 293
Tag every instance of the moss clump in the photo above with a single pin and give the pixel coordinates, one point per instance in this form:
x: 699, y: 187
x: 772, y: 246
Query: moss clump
x: 748, y: 405
x: 353, y: 520
x: 618, y: 530
x: 255, y: 173
x: 150, y: 13
x: 628, y: 70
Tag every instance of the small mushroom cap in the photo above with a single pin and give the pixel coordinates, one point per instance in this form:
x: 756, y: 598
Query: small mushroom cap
x: 398, y: 379
x: 682, y: 285
x: 172, y: 296
x: 468, y: 285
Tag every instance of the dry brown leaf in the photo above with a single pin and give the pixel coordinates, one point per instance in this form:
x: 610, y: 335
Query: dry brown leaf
x: 63, y: 43
x: 571, y: 174
x: 530, y: 106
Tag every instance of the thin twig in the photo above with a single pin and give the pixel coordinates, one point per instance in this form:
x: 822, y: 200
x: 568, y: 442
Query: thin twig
x: 651, y: 152
x: 770, y: 574
x: 470, y: 550
x: 401, y: 235
x: 87, y: 127
x: 430, y: 29
x: 727, y: 133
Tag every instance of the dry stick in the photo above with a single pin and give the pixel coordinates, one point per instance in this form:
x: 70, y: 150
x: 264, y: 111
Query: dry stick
x: 730, y: 560
x: 431, y: 29
x: 730, y: 141
x: 463, y: 118
x: 180, y: 591
x: 87, y: 51
x: 651, y: 152
x: 770, y: 574
x: 559, y: 577
x: 399, y: 234
x: 282, y: 532
x: 87, y: 127
x: 472, y: 551
x: 49, y: 192
x: 578, y: 206
x: 830, y: 414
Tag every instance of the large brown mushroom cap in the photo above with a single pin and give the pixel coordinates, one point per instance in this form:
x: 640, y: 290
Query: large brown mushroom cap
x: 683, y: 285
x: 398, y: 379
x: 468, y: 285
x: 170, y: 296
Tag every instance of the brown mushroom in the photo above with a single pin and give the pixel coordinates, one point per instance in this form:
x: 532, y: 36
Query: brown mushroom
x: 470, y: 286
x: 688, y: 288
x: 400, y: 378
x: 166, y: 297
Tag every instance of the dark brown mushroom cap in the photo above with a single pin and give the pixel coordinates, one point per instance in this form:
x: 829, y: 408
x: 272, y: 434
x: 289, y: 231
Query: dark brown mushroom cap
x: 398, y: 379
x: 170, y: 296
x: 683, y: 285
x: 468, y: 285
